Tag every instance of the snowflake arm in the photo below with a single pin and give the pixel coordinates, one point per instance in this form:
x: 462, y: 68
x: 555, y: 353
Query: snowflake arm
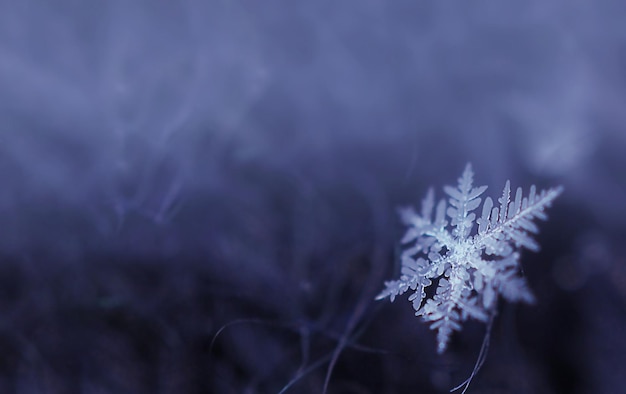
x: 512, y: 222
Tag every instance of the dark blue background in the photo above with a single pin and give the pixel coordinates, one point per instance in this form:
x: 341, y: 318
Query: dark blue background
x: 170, y: 169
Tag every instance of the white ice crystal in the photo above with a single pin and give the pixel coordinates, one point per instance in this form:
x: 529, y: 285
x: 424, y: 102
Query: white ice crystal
x: 470, y: 267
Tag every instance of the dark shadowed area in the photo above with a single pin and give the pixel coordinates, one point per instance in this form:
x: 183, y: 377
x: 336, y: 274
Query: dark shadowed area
x: 201, y: 196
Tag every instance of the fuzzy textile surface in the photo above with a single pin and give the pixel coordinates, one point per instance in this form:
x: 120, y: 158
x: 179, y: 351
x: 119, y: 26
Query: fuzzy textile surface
x: 202, y: 196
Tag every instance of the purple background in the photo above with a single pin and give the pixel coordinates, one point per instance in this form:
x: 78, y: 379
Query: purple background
x: 172, y: 168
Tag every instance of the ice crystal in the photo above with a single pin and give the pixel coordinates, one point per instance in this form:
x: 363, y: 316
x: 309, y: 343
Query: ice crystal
x: 470, y: 266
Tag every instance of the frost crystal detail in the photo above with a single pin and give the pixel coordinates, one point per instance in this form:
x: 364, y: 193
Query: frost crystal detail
x: 470, y: 266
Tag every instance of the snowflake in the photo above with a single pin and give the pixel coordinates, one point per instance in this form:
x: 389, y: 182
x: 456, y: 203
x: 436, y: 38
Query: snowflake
x: 470, y: 269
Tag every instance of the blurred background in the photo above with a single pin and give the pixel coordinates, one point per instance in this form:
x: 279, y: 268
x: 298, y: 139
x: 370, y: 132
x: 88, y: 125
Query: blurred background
x: 200, y: 197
